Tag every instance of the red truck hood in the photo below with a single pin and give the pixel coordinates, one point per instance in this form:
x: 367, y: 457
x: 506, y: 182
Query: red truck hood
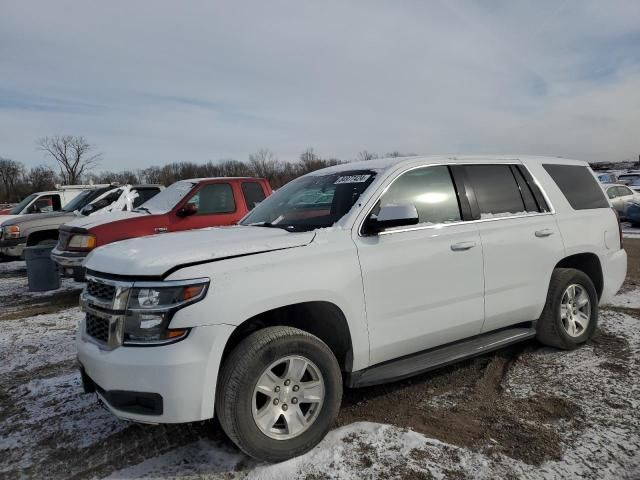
x: 155, y: 255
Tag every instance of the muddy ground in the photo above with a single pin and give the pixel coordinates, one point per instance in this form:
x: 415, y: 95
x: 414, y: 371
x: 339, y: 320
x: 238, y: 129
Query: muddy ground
x: 522, y: 412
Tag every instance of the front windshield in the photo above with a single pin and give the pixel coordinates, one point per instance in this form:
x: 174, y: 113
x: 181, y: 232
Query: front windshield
x: 83, y: 199
x: 19, y: 207
x: 168, y: 198
x: 312, y: 201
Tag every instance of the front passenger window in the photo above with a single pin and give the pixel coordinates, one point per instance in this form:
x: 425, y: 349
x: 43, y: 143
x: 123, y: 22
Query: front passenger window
x: 214, y: 198
x: 430, y: 189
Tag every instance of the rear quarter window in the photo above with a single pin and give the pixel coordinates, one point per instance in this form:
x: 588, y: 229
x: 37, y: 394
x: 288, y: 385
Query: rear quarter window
x: 578, y: 185
x: 253, y: 194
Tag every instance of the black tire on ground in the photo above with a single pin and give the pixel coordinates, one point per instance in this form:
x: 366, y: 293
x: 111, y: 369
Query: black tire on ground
x: 240, y: 374
x: 550, y: 330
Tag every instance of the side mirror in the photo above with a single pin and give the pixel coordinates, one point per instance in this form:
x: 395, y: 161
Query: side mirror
x: 392, y: 216
x: 188, y: 210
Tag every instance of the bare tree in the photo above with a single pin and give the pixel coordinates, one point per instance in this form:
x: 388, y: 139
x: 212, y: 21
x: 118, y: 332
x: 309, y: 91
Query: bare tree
x: 367, y: 155
x: 265, y: 164
x: 40, y: 178
x: 10, y: 173
x: 73, y: 155
x: 396, y: 154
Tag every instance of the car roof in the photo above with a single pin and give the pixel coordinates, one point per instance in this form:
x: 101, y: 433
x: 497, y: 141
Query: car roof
x: 382, y: 164
x: 208, y: 179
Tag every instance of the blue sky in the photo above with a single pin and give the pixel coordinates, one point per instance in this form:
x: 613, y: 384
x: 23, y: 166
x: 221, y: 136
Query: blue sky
x: 153, y: 82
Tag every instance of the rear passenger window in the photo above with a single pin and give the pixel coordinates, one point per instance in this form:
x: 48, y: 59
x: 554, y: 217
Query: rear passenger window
x: 253, y: 194
x: 498, y: 193
x: 430, y: 189
x: 578, y: 185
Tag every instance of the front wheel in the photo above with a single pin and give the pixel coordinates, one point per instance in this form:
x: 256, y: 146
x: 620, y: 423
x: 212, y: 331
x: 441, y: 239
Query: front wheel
x: 570, y: 315
x: 278, y: 393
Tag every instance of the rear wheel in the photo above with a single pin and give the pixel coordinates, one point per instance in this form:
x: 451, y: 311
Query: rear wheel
x: 278, y: 393
x: 570, y: 315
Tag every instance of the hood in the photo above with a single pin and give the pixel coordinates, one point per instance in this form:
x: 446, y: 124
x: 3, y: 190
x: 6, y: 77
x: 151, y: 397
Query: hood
x: 95, y: 220
x: 155, y: 255
x: 13, y: 219
x: 4, y: 218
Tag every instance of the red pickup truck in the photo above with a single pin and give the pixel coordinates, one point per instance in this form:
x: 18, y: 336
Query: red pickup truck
x: 185, y: 205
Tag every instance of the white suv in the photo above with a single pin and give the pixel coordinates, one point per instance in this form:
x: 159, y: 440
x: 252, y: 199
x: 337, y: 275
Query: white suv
x: 353, y: 275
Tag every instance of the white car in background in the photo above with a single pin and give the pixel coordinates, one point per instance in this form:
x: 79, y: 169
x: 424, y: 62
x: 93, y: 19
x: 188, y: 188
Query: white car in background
x: 621, y: 196
x: 47, y: 202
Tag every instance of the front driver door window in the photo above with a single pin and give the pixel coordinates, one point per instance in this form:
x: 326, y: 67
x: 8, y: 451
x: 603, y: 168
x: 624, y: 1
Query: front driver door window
x: 216, y: 207
x: 427, y: 279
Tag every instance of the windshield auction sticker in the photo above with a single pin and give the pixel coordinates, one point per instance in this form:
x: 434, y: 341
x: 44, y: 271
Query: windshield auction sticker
x: 352, y: 179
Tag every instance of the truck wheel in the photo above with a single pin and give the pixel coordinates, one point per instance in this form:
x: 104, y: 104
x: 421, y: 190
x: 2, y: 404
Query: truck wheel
x: 278, y: 393
x: 570, y: 315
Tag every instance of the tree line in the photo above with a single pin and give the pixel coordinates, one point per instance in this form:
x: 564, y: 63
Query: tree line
x: 72, y: 161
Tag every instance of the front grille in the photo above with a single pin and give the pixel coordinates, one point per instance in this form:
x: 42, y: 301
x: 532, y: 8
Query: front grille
x: 63, y: 239
x: 101, y: 291
x: 97, y: 327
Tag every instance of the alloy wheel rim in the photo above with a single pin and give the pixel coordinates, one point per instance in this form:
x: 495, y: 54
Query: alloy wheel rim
x: 288, y: 397
x: 575, y: 310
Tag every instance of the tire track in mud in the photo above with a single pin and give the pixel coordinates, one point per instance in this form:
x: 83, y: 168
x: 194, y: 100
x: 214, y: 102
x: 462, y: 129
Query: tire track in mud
x: 465, y: 405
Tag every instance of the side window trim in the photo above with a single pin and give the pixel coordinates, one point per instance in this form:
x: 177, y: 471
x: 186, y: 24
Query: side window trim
x: 466, y: 198
x: 540, y: 198
x: 529, y: 200
x: 458, y: 174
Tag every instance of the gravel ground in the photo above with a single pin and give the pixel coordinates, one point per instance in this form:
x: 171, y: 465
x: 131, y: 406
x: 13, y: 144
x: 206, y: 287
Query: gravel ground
x: 522, y: 412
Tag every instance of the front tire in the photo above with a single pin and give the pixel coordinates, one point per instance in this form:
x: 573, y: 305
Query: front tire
x: 278, y: 393
x: 570, y: 315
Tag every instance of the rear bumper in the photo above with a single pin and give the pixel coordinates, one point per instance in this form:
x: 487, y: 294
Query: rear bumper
x: 161, y: 384
x: 614, y: 270
x: 13, y: 247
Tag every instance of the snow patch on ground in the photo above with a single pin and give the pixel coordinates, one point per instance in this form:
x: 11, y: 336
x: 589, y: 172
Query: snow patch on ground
x: 18, y: 286
x: 627, y: 299
x: 18, y: 266
x: 30, y: 343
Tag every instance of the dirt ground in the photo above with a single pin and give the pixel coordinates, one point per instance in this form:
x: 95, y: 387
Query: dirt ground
x: 522, y: 412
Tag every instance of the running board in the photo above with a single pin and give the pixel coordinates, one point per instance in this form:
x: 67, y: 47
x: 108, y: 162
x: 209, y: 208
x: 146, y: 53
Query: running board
x: 422, y: 362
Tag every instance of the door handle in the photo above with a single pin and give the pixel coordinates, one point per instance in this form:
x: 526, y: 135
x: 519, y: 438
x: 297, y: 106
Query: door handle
x: 462, y: 246
x: 544, y: 233
x: 162, y: 230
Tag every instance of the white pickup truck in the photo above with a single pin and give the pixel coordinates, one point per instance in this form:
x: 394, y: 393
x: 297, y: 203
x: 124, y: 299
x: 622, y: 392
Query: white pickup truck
x: 354, y: 275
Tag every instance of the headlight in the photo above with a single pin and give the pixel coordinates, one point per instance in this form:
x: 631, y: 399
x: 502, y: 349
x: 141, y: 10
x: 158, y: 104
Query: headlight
x: 82, y: 241
x: 12, y: 231
x: 152, y: 305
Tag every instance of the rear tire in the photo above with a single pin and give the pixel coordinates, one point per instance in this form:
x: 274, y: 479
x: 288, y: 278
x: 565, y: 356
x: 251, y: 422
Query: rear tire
x: 570, y: 315
x: 278, y: 393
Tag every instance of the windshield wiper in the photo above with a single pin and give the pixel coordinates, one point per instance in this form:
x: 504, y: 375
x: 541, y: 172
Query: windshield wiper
x: 269, y: 225
x: 144, y: 209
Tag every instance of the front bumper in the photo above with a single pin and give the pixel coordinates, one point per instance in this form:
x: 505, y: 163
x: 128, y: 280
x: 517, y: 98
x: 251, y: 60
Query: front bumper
x: 13, y: 247
x: 182, y: 374
x: 70, y: 263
